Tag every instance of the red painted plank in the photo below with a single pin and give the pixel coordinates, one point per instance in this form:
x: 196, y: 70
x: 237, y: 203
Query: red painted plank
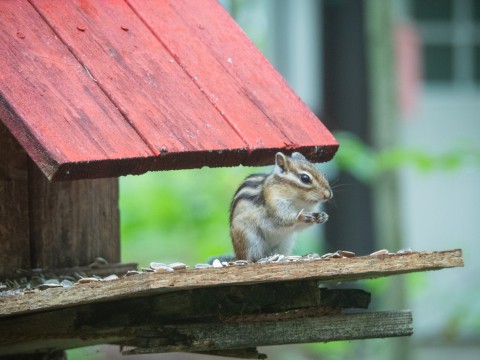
x: 55, y: 109
x: 147, y: 85
x: 236, y: 77
x: 95, y: 89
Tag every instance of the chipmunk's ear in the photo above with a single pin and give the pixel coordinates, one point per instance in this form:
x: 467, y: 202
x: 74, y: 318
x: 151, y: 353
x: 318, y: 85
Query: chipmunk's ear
x: 298, y: 156
x: 281, y: 162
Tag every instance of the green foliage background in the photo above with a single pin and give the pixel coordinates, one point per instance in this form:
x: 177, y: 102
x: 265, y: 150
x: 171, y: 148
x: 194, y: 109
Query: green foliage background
x: 183, y: 216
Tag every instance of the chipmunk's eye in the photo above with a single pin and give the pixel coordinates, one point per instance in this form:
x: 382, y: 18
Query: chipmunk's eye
x: 304, y: 178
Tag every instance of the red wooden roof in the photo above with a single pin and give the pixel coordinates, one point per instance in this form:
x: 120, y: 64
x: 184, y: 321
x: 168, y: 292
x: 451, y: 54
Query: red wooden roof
x: 106, y: 88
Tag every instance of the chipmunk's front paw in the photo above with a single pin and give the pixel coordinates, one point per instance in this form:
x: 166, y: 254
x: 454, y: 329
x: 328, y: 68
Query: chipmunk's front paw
x: 321, y: 218
x: 314, y: 218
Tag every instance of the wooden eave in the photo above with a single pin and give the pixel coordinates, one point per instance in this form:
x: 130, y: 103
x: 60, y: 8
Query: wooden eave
x: 101, y: 89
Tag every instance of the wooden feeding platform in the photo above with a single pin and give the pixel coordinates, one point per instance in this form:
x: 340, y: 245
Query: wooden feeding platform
x: 92, y: 90
x: 213, y: 309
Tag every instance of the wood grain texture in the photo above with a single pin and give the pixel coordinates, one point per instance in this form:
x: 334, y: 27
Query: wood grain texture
x: 211, y: 336
x: 236, y: 78
x: 14, y: 226
x: 54, y: 108
x: 142, y: 79
x: 105, y: 89
x: 52, y: 225
x: 72, y: 223
x: 324, y: 271
x: 123, y: 321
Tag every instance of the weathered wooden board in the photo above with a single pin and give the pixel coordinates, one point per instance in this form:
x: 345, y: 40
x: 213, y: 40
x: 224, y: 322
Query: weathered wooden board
x: 54, y: 108
x: 212, y: 336
x: 125, y: 320
x: 325, y: 271
x: 72, y: 223
x: 235, y: 77
x: 14, y: 226
x: 143, y: 80
x: 99, y: 89
x: 44, y: 224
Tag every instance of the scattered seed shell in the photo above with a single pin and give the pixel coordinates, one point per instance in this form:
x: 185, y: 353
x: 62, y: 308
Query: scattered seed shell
x: 240, y: 262
x: 345, y: 253
x: 132, y: 272
x: 405, y: 251
x: 110, y: 277
x: 380, y: 252
x: 48, y: 286
x: 98, y: 262
x: 156, y: 265
x: 87, y: 280
x: 52, y: 282
x: 164, y: 269
x: 178, y: 266
x: 202, y: 266
x: 217, y: 263
x: 66, y: 283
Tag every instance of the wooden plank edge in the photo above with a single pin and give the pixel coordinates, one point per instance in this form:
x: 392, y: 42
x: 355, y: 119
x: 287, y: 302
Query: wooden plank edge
x: 102, y: 168
x: 91, y: 324
x: 324, y: 271
x: 247, y: 353
x: 217, y: 336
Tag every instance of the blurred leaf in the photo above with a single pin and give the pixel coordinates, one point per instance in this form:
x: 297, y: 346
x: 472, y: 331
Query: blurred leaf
x: 365, y: 163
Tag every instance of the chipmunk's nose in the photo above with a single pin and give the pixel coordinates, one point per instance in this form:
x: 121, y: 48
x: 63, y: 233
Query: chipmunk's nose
x: 327, y: 194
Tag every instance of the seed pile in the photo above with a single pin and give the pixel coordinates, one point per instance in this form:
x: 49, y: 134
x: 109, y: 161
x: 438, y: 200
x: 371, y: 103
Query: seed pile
x: 40, y: 281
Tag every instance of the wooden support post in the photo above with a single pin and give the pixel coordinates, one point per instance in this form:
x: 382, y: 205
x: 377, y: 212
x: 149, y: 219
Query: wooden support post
x: 52, y: 225
x: 14, y: 222
x: 72, y: 223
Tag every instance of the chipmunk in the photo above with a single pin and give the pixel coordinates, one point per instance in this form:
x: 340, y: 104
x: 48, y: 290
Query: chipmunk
x: 268, y: 209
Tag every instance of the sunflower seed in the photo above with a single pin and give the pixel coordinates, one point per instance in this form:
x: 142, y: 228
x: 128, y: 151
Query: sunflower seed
x: 87, y: 280
x: 156, y: 265
x: 217, y: 264
x: 345, y: 253
x: 110, y: 277
x: 240, y: 262
x: 132, y: 272
x: 380, y: 252
x: 52, y: 282
x: 164, y: 269
x: 405, y: 251
x: 178, y: 266
x: 202, y: 266
x: 49, y: 286
x: 66, y: 283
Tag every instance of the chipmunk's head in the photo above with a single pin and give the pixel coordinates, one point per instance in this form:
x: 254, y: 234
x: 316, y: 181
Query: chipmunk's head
x: 302, y: 177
